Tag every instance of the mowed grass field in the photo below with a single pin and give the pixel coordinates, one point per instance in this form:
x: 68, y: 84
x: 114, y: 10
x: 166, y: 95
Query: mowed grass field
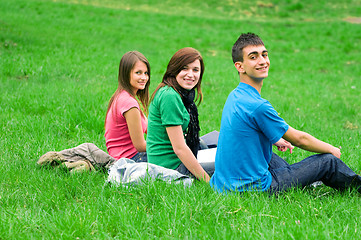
x: 58, y: 68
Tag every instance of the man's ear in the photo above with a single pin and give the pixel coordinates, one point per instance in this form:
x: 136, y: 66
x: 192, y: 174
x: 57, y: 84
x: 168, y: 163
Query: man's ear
x: 239, y: 67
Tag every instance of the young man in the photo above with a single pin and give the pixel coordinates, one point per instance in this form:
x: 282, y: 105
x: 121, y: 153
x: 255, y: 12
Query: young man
x: 249, y: 128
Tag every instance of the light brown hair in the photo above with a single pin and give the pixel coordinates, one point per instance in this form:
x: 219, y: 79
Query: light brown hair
x: 126, y: 65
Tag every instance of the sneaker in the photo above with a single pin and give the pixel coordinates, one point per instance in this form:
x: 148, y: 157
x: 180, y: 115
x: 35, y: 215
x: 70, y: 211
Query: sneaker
x: 316, y: 184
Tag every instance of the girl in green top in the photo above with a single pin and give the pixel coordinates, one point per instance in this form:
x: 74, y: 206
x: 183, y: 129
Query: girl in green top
x: 173, y: 126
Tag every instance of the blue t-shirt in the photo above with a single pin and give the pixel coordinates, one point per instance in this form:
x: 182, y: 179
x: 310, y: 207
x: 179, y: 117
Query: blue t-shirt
x: 249, y: 127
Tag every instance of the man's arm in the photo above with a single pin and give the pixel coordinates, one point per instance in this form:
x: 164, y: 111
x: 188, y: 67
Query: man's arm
x: 307, y: 142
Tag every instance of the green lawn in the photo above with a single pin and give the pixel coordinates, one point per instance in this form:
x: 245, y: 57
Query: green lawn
x: 58, y: 68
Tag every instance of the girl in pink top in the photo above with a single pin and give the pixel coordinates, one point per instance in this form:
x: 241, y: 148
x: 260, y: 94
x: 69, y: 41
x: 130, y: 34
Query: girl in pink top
x: 125, y: 122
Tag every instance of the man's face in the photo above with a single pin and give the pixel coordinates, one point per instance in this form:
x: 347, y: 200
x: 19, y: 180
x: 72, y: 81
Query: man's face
x: 255, y: 62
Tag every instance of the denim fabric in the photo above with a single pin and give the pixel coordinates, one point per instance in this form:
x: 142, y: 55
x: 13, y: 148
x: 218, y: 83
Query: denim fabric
x: 205, y: 142
x: 128, y: 173
x: 320, y: 167
x: 207, y: 166
x: 140, y: 157
x: 277, y: 162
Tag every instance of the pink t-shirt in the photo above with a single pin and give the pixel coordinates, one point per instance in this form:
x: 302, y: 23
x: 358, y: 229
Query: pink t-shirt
x: 117, y: 138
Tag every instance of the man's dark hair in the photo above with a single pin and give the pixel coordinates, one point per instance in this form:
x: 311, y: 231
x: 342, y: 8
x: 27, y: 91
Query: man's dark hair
x: 246, y: 39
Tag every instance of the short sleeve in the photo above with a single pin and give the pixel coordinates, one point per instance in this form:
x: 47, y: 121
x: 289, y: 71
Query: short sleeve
x: 125, y: 102
x: 268, y: 121
x: 171, y: 108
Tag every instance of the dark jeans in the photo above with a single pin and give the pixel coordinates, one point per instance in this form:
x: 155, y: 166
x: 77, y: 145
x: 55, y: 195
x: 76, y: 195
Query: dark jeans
x: 277, y: 162
x: 207, y: 166
x: 140, y: 157
x: 320, y: 167
x: 207, y: 141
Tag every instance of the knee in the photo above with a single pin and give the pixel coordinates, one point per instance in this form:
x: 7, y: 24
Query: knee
x: 329, y: 158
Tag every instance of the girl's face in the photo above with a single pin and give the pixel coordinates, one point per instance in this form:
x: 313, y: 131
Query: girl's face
x: 188, y: 77
x: 139, y: 76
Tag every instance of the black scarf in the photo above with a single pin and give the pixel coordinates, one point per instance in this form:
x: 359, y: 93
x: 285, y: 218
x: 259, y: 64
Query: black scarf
x: 192, y: 135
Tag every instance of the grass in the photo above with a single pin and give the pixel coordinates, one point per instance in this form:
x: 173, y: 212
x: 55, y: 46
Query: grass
x: 58, y: 69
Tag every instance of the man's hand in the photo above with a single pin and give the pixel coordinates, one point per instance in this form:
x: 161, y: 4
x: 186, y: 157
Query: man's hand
x: 282, y: 145
x: 336, y: 152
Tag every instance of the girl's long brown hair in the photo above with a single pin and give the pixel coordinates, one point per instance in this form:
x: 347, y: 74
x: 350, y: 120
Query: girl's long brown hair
x: 180, y: 59
x: 125, y: 67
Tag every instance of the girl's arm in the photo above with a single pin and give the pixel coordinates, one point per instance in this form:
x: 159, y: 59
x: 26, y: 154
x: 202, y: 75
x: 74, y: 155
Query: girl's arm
x: 133, y: 118
x: 183, y: 152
